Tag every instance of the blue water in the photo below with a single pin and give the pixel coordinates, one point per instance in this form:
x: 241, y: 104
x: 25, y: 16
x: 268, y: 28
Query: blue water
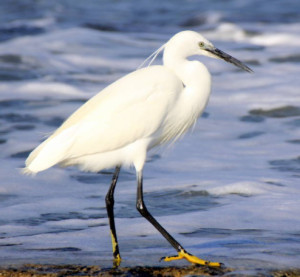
x: 229, y: 191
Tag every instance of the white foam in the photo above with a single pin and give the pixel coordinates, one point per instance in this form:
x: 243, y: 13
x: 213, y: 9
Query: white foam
x: 241, y: 188
x: 227, y: 32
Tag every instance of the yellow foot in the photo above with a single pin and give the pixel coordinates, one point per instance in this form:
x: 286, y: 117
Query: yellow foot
x: 182, y: 254
x: 117, y: 261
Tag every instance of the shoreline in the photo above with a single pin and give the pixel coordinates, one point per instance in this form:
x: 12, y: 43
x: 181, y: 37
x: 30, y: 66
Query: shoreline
x: 43, y: 270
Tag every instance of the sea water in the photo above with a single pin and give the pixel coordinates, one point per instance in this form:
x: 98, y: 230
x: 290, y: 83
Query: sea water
x: 229, y: 191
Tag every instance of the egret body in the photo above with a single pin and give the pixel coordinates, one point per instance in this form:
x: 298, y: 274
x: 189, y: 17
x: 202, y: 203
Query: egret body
x: 146, y: 108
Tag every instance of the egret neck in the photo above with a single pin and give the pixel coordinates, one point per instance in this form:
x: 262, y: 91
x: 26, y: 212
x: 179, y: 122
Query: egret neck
x: 195, y: 77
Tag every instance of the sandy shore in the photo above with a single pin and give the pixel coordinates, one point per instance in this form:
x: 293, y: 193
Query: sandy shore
x: 34, y: 270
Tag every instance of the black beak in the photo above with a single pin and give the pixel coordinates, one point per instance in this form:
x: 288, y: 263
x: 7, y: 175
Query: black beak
x: 222, y: 55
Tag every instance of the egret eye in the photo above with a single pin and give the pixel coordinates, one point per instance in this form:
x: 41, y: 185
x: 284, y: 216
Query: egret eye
x: 201, y: 44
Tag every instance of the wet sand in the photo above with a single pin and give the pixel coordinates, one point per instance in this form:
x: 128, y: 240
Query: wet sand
x: 35, y: 270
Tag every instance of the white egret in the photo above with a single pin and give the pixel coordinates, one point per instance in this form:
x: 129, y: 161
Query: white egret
x: 144, y: 109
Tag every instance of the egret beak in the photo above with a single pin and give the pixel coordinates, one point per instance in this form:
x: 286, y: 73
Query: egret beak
x: 222, y: 55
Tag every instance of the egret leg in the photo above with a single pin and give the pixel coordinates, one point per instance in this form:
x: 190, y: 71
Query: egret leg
x: 182, y: 253
x: 109, y: 200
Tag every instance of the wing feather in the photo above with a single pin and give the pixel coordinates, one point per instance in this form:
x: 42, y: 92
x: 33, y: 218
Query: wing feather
x: 132, y: 108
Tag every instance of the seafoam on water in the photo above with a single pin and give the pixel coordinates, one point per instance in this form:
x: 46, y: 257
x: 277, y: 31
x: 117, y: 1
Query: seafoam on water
x: 229, y: 191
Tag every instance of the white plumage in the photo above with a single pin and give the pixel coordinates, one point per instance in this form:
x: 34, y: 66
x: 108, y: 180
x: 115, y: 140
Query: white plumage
x: 145, y: 108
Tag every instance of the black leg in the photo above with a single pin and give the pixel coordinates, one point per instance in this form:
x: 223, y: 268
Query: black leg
x: 182, y: 253
x: 141, y: 207
x: 109, y: 199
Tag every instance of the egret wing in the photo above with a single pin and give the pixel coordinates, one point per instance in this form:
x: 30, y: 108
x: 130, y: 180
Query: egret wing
x: 132, y: 108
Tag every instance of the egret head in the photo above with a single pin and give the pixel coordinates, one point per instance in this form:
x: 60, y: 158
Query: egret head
x: 190, y: 43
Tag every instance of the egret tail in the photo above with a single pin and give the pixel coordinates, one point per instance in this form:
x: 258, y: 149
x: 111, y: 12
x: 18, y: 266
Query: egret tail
x: 50, y: 152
